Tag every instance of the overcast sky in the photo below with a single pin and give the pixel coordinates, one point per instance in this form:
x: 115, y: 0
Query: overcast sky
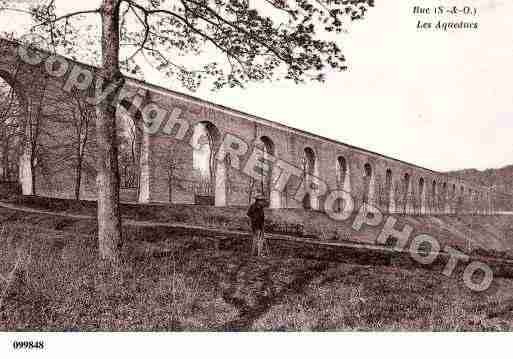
x: 442, y: 100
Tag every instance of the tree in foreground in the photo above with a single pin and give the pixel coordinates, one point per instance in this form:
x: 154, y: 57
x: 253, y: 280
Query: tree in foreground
x: 221, y: 42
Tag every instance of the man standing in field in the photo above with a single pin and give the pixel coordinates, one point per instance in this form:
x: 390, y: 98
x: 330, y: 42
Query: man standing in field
x: 257, y: 217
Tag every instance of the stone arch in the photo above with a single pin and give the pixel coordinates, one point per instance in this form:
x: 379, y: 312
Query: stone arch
x: 445, y: 198
x: 130, y: 134
x: 406, y: 193
x: 310, y: 168
x: 309, y: 165
x: 342, y: 180
x: 265, y: 144
x: 209, y: 177
x: 422, y: 195
x: 368, y: 184
x: 132, y: 113
x: 389, y: 191
x: 471, y: 200
x: 268, y: 145
x: 342, y: 172
x: 460, y: 200
x: 434, y: 199
x: 265, y: 186
x: 453, y: 198
x: 18, y: 157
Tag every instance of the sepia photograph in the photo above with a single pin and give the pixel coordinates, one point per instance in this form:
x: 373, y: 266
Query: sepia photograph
x: 293, y: 171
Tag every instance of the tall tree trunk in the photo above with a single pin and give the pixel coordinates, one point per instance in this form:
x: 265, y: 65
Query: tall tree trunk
x: 109, y: 217
x: 33, y: 174
x: 78, y: 178
x: 33, y: 155
x: 5, y: 159
x: 34, y: 138
x: 138, y: 146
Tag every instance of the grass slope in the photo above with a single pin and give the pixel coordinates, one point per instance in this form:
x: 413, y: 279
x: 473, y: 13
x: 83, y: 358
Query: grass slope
x: 478, y: 235
x: 179, y: 281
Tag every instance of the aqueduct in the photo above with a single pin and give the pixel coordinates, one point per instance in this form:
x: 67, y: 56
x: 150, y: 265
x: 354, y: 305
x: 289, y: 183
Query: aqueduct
x: 176, y: 155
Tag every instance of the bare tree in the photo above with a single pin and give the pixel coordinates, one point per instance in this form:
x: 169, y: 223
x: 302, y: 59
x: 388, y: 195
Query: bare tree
x: 32, y: 128
x: 11, y: 131
x: 65, y: 112
x: 82, y: 119
x: 129, y: 147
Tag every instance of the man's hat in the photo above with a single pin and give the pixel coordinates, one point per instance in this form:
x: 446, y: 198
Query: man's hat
x: 260, y: 198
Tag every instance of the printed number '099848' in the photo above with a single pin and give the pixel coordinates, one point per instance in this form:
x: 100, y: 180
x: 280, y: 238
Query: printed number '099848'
x: 24, y: 345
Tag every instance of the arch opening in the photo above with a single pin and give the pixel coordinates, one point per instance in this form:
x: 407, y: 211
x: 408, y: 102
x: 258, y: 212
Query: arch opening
x: 342, y: 180
x: 129, y: 133
x: 17, y: 160
x: 389, y: 192
x: 444, y: 198
x: 368, y: 184
x: 263, y: 185
x: 422, y: 197
x: 309, y: 161
x: 434, y: 199
x: 309, y: 169
x: 208, y: 177
x: 406, y: 193
x: 134, y: 152
x: 341, y: 171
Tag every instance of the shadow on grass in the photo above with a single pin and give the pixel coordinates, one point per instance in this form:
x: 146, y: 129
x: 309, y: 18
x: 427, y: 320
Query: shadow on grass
x: 268, y: 297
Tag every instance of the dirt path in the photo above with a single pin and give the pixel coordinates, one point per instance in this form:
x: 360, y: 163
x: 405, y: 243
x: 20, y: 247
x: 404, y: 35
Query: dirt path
x: 226, y: 232
x: 131, y: 222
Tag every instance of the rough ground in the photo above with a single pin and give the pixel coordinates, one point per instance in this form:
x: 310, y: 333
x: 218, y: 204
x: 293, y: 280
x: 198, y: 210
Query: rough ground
x: 179, y: 281
x: 479, y: 235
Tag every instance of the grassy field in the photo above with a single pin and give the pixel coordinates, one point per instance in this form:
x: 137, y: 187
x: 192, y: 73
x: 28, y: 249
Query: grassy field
x: 478, y: 235
x: 174, y: 281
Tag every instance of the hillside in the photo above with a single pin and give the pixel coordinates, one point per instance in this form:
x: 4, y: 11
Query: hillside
x: 198, y: 283
x: 501, y: 178
x: 174, y: 278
